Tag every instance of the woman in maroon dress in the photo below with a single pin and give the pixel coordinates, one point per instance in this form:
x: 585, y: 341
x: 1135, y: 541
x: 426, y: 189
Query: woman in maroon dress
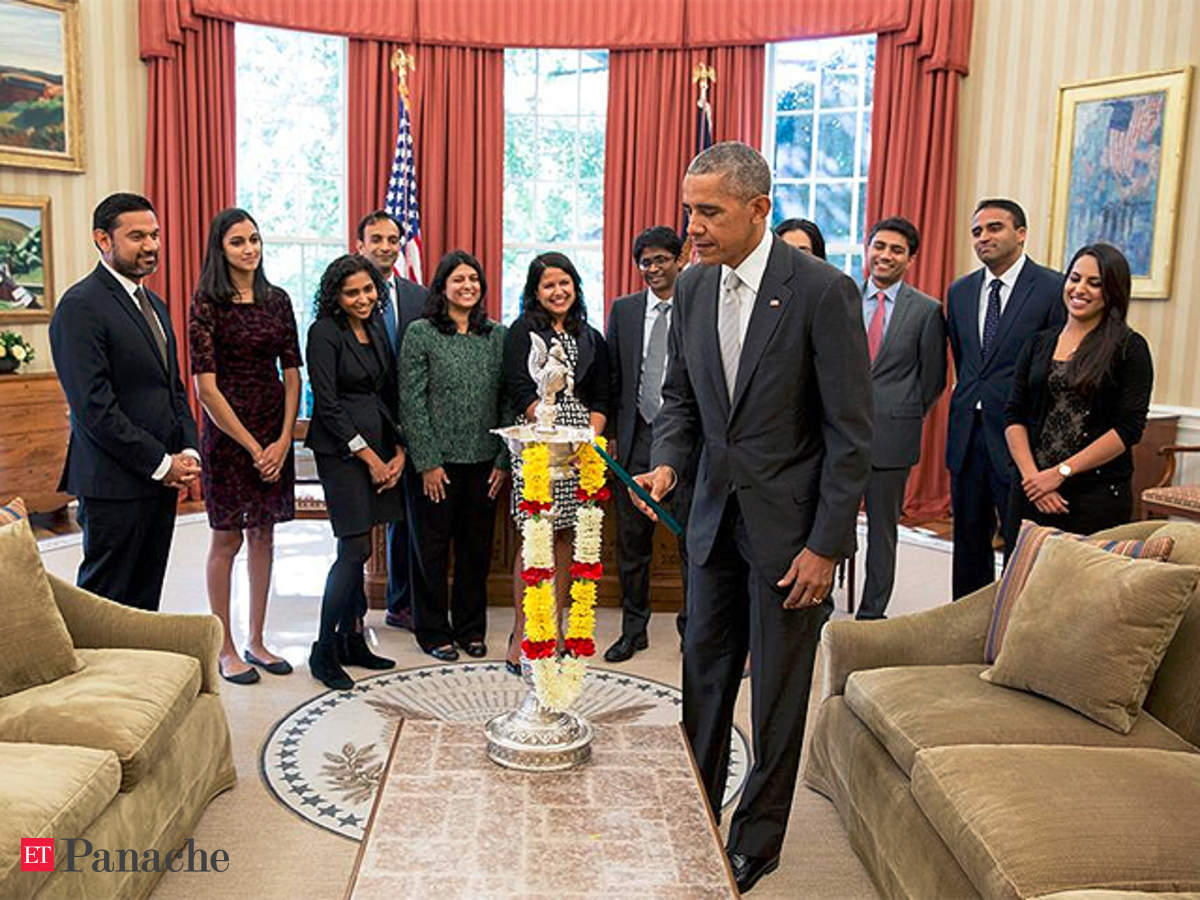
x: 242, y: 333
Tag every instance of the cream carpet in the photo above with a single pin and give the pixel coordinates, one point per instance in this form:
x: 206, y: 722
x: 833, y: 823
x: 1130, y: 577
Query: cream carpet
x: 276, y: 854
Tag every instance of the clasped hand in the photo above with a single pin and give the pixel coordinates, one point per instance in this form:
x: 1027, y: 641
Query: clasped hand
x: 185, y: 469
x: 269, y: 460
x: 1042, y: 490
x: 385, y: 475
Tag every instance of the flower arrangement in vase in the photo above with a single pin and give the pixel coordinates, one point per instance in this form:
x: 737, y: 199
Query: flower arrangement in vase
x: 15, y: 351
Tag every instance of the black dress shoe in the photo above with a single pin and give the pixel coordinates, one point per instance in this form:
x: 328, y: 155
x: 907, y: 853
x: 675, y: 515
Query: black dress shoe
x: 323, y: 664
x: 401, y: 619
x: 279, y: 667
x: 474, y: 649
x: 445, y: 654
x: 748, y: 869
x: 625, y: 647
x: 352, y: 650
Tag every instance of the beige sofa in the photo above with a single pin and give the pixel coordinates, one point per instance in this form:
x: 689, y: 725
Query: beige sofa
x: 953, y: 787
x: 124, y: 752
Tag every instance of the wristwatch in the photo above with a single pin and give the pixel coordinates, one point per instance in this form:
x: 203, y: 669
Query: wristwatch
x: 1064, y: 470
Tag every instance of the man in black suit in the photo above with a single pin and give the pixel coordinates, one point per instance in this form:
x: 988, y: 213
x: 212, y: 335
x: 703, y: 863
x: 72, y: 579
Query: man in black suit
x: 638, y: 325
x: 379, y: 241
x: 768, y: 372
x: 133, y: 437
x: 990, y: 314
x: 906, y: 340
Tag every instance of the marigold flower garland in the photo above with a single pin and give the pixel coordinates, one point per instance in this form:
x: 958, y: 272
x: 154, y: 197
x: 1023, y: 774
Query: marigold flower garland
x: 559, y: 680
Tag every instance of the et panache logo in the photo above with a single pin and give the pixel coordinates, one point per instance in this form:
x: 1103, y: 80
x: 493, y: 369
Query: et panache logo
x: 78, y: 855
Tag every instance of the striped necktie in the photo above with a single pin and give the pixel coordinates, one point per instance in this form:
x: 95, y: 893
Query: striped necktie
x: 729, y: 328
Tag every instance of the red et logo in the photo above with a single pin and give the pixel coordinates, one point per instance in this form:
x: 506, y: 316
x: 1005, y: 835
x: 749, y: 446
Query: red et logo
x: 37, y: 854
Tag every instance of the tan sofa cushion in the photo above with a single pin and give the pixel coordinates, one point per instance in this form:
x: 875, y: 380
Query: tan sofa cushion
x: 35, y: 646
x: 127, y: 701
x: 1024, y: 821
x: 1091, y: 629
x: 1026, y: 548
x: 912, y: 708
x: 48, y: 791
x: 1174, y: 696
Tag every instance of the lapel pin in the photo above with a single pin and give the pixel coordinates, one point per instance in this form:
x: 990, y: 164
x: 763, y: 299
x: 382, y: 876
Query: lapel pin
x: 774, y: 302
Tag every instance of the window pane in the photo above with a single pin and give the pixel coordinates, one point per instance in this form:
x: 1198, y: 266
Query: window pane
x: 590, y: 264
x: 593, y: 82
x: 516, y: 264
x: 791, y: 202
x: 864, y: 146
x: 793, y: 146
x: 520, y: 82
x: 518, y: 211
x: 854, y: 266
x: 839, y: 89
x: 591, y: 211
x: 795, y: 94
x: 555, y: 213
x: 555, y: 148
x: 835, y: 145
x: 862, y: 211
x: 558, y: 81
x: 591, y: 147
x: 832, y: 210
x: 519, y: 152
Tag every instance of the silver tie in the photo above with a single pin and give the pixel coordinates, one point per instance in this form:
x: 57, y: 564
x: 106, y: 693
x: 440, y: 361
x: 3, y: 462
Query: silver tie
x: 729, y: 329
x: 655, y: 366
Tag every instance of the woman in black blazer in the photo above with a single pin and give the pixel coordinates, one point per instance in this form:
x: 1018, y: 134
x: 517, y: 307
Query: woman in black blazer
x: 1078, y: 405
x: 357, y: 446
x: 552, y: 307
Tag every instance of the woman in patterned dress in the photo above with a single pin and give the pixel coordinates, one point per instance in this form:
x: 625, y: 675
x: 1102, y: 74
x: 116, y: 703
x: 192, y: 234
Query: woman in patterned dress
x: 1079, y: 400
x: 552, y: 307
x: 451, y: 378
x: 242, y: 333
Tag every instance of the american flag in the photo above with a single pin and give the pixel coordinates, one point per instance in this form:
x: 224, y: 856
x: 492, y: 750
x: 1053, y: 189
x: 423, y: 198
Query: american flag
x: 702, y: 75
x: 1131, y: 124
x: 401, y: 202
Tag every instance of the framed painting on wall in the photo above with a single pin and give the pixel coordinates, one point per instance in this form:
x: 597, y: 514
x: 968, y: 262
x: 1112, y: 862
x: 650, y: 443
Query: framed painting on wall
x: 26, y: 270
x: 1117, y: 164
x: 41, y: 102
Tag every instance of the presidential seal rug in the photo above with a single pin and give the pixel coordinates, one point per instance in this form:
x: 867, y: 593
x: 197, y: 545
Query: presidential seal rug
x: 324, y: 760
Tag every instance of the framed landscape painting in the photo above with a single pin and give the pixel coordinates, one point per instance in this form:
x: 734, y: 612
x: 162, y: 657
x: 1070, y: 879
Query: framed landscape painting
x: 26, y: 273
x: 1117, y: 164
x: 41, y: 125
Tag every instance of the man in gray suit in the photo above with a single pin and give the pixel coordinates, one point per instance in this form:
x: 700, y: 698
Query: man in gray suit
x: 768, y: 373
x: 906, y: 340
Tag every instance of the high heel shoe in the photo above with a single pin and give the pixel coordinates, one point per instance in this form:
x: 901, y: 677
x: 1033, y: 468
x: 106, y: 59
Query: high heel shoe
x: 513, y: 668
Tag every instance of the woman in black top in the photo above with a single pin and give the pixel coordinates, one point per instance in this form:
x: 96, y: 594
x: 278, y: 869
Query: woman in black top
x: 1078, y: 405
x: 553, y: 308
x: 356, y: 443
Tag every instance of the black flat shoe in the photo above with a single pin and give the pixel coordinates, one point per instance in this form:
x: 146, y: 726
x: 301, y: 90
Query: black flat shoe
x: 625, y: 647
x: 514, y: 668
x: 280, y: 667
x: 445, y: 654
x: 474, y: 649
x: 248, y: 677
x: 352, y: 650
x: 747, y: 870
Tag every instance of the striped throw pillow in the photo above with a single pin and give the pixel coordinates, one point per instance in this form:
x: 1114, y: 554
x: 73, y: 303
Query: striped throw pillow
x: 1025, y: 551
x: 13, y: 510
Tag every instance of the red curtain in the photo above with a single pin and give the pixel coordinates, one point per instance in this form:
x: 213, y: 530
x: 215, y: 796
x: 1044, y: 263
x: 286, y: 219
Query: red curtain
x: 371, y: 122
x: 651, y: 136
x: 914, y: 133
x: 190, y: 151
x: 615, y: 24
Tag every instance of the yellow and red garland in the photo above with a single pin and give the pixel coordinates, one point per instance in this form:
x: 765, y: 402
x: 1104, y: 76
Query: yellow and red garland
x: 558, y: 680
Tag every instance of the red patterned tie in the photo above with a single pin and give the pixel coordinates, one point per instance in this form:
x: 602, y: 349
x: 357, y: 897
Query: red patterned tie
x: 875, y: 328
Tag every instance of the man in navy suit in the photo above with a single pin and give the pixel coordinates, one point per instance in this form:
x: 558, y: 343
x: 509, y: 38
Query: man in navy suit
x: 379, y: 241
x: 990, y: 314
x: 133, y: 437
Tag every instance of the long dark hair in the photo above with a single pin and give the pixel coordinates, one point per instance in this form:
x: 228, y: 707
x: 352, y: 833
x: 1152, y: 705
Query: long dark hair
x: 215, y: 282
x: 576, y: 317
x: 1093, y: 358
x: 326, y: 300
x: 810, y: 228
x: 437, y: 309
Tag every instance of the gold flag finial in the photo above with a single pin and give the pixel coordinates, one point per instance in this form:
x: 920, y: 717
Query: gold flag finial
x: 402, y: 63
x: 703, y: 75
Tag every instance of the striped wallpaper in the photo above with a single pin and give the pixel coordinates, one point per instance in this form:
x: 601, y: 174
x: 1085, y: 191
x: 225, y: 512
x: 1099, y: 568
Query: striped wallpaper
x: 1021, y: 51
x: 114, y: 116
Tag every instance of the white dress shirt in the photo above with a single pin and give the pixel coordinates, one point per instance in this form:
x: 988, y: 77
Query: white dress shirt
x: 750, y: 272
x: 130, y: 287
